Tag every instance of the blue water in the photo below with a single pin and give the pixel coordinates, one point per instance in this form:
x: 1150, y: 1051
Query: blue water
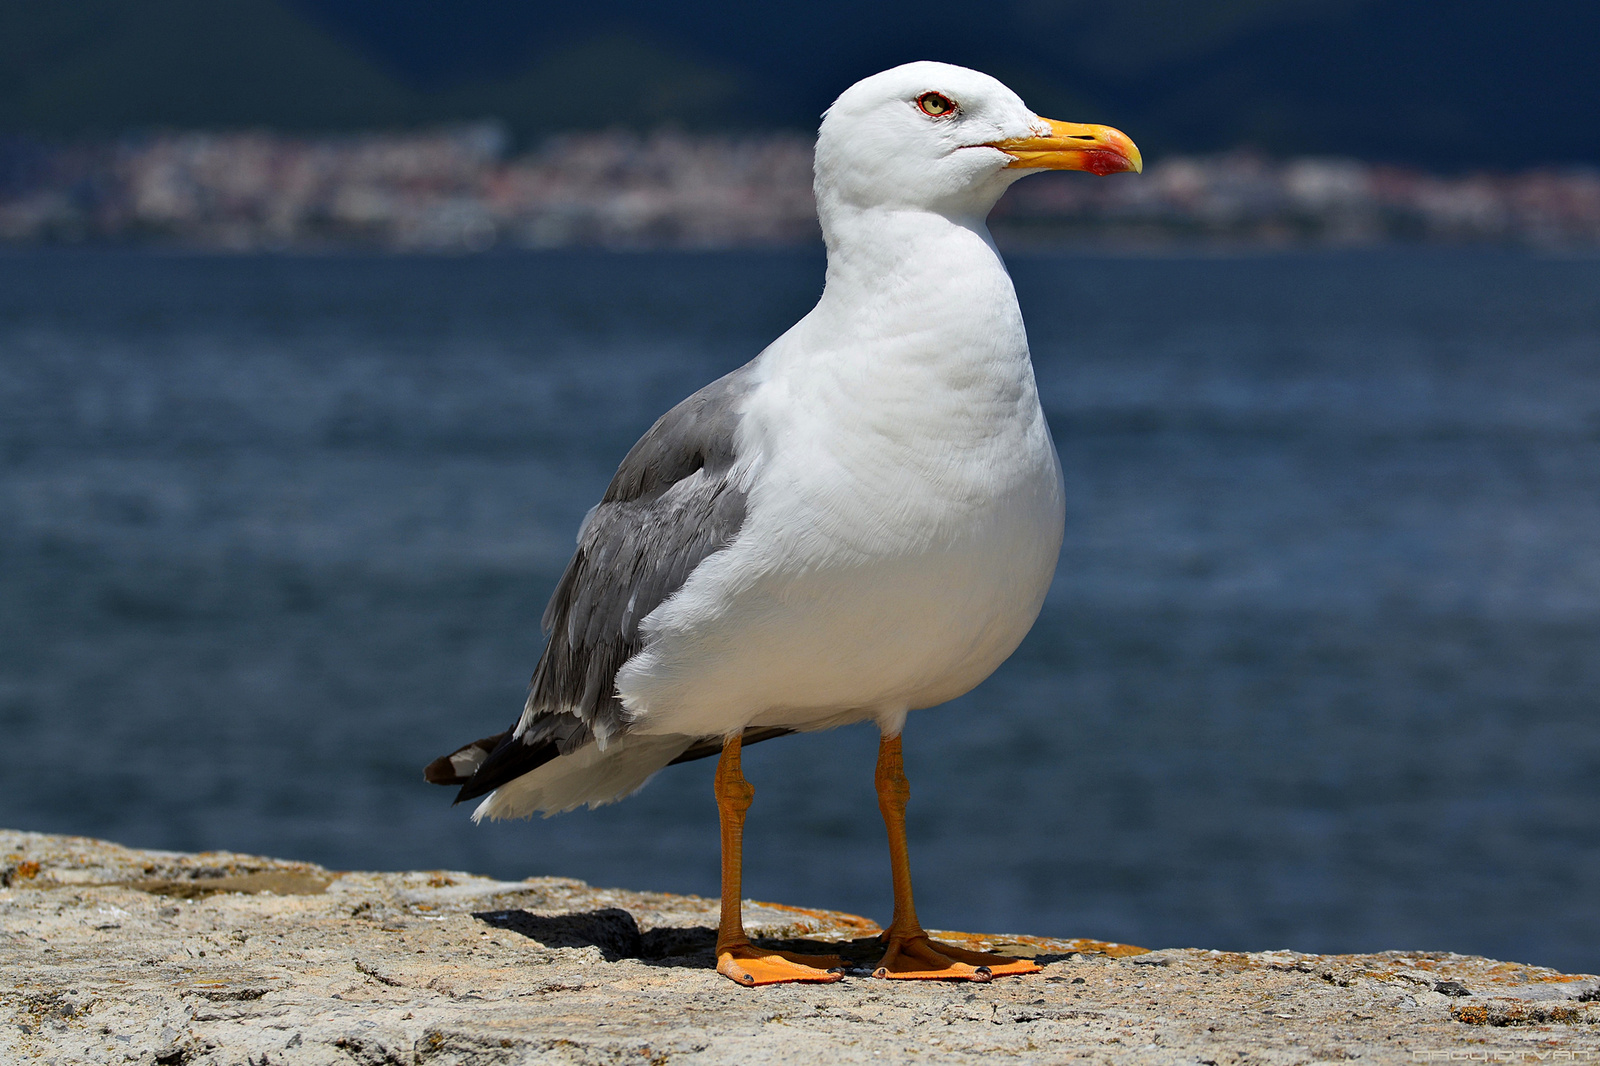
x: 1320, y: 669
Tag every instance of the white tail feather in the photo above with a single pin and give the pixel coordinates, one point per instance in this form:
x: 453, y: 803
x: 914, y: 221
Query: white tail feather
x: 587, y: 776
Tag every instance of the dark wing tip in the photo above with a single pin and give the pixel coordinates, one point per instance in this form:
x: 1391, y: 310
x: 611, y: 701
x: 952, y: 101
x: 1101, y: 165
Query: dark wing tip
x: 440, y: 772
x: 506, y: 759
x: 458, y: 767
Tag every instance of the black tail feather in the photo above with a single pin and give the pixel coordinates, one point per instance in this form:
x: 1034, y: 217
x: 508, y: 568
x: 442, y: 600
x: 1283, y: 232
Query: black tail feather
x: 484, y: 765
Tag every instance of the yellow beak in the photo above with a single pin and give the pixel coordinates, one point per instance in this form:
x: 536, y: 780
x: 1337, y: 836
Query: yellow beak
x: 1074, y: 146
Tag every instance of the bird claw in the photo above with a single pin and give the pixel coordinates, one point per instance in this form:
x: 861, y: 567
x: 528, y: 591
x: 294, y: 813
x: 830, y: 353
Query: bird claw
x: 917, y: 957
x: 750, y: 966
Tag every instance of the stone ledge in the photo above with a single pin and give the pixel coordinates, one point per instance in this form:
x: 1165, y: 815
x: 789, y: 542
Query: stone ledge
x: 118, y: 955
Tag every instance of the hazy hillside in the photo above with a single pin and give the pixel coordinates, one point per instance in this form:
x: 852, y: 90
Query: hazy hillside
x: 71, y: 66
x: 1495, y: 83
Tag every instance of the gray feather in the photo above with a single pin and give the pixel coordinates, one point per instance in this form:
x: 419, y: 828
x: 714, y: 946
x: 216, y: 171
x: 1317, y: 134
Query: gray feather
x: 672, y: 503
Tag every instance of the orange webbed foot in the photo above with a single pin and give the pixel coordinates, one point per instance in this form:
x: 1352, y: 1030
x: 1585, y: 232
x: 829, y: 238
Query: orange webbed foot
x: 917, y: 958
x: 748, y: 965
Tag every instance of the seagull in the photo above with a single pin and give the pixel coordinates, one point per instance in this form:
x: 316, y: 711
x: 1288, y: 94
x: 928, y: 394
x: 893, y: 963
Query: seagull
x: 860, y: 522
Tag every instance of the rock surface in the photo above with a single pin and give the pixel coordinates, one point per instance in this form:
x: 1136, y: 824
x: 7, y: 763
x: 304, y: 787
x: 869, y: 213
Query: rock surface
x: 116, y: 955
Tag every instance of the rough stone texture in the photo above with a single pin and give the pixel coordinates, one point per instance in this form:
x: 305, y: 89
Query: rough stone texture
x: 116, y: 955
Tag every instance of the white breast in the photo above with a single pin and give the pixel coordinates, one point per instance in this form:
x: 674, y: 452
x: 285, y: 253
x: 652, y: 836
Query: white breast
x: 903, y: 524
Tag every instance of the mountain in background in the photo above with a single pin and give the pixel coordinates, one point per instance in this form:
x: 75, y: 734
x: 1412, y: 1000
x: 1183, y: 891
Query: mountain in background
x: 1476, y: 83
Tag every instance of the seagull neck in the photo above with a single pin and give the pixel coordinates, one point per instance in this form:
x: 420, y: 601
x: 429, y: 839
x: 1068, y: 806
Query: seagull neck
x: 894, y: 265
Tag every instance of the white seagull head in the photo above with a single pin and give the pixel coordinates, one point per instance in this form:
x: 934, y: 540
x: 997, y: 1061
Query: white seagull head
x: 936, y: 137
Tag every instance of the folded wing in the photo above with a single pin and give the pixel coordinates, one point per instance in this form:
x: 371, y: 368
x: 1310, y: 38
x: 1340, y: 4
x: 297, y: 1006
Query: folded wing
x: 676, y: 499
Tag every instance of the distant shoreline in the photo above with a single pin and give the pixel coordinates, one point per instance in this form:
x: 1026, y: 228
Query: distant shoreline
x: 455, y: 190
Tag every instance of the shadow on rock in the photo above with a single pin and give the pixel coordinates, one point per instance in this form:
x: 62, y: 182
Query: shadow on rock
x: 615, y: 932
x: 612, y: 930
x: 696, y: 947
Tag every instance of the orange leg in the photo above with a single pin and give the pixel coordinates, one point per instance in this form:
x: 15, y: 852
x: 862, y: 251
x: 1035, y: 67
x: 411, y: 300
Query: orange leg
x: 737, y: 958
x: 911, y: 954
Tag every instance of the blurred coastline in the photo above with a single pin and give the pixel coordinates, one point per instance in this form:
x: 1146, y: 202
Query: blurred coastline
x: 458, y: 189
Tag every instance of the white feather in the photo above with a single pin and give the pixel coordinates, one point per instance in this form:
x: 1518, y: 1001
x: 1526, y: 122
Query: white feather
x: 587, y: 776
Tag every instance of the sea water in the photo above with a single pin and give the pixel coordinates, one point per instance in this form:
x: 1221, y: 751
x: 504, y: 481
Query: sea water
x: 1320, y: 668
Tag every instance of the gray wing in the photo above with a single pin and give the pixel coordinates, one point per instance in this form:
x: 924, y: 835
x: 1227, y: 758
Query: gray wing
x: 672, y: 502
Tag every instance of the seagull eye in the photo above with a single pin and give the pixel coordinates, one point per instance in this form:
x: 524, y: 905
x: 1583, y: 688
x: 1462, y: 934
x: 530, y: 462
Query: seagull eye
x: 936, y: 104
